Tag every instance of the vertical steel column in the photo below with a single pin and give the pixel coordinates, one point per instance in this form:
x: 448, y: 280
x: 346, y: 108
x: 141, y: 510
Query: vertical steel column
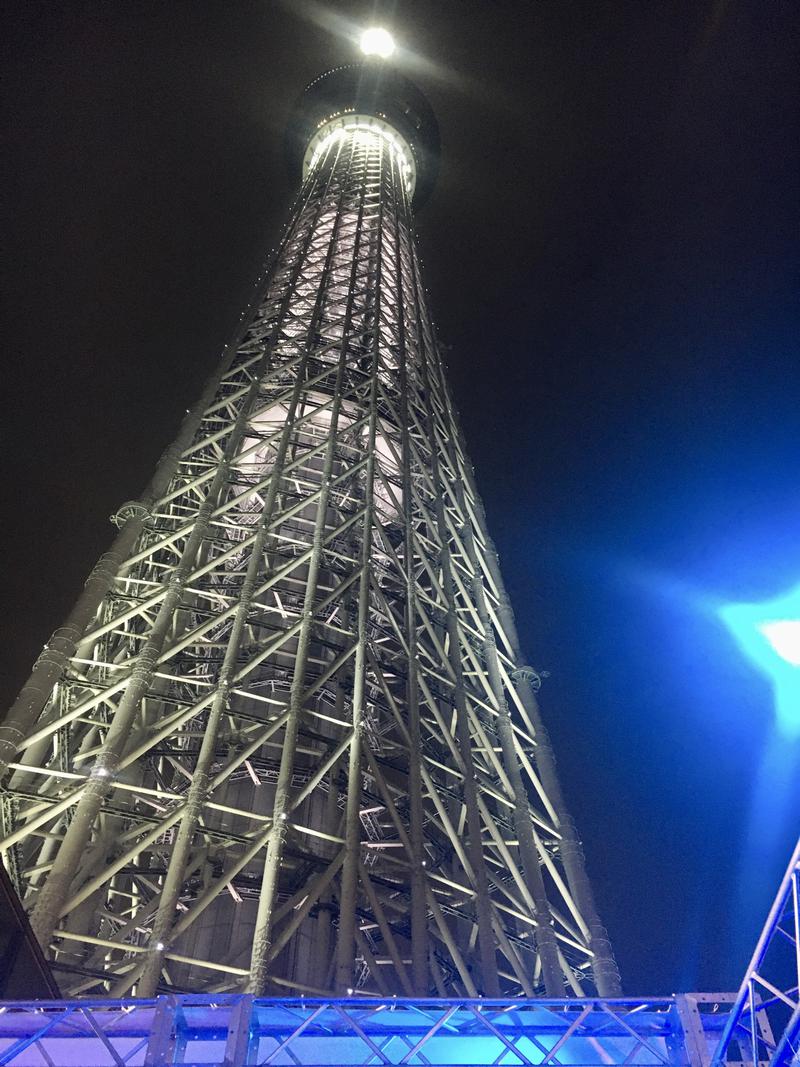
x: 419, y: 913
x: 545, y: 935
x: 325, y: 937
x: 486, y: 941
x: 241, y: 1044
x: 345, y: 946
x: 161, y: 1042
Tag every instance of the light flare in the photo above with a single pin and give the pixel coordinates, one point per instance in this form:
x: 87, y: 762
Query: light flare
x: 376, y: 41
x: 769, y: 634
x: 784, y: 637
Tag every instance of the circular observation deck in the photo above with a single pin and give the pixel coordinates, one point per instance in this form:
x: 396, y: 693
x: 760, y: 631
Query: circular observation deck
x: 361, y: 92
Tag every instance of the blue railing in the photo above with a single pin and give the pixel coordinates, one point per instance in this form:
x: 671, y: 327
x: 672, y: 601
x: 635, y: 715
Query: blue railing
x: 235, y: 1031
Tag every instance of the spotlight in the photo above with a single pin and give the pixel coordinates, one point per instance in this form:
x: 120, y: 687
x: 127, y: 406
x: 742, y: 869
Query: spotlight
x: 770, y: 636
x: 377, y: 42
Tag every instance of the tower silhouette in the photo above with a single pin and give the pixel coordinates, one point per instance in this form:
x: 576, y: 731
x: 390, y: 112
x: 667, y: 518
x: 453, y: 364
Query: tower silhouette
x: 286, y: 740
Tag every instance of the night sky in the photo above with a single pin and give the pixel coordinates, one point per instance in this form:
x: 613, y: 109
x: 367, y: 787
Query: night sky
x: 612, y: 258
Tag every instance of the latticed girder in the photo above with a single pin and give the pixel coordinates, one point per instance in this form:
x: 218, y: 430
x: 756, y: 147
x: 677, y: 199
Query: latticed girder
x: 293, y: 746
x: 763, y: 1025
x: 352, y: 1031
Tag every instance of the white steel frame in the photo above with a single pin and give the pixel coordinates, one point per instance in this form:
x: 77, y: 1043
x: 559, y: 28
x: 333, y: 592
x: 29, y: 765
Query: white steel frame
x: 763, y: 1026
x: 286, y: 741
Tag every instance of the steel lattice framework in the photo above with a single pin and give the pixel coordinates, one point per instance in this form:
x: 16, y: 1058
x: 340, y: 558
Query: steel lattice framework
x: 286, y: 740
x: 764, y: 1021
x: 230, y: 1030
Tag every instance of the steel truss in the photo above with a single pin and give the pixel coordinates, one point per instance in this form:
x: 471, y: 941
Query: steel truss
x: 286, y: 740
x: 764, y: 1023
x: 240, y: 1031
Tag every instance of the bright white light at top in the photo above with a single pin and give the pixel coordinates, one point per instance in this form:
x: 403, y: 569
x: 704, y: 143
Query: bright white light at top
x: 377, y: 42
x: 784, y: 638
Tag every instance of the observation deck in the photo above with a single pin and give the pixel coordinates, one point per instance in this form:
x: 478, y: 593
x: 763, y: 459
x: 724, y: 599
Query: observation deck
x: 368, y: 91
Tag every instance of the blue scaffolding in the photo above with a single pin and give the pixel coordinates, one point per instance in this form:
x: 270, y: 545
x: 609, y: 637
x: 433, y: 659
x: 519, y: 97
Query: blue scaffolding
x: 239, y: 1030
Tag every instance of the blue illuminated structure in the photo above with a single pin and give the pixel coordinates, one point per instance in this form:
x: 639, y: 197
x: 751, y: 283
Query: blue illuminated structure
x: 770, y: 635
x: 764, y: 1022
x: 239, y: 1030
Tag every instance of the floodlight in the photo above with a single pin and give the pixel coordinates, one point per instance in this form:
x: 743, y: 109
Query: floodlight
x: 377, y: 42
x: 784, y: 636
x: 770, y: 635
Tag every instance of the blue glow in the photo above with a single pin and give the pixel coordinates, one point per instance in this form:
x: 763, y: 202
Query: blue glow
x: 770, y: 635
x: 353, y: 1031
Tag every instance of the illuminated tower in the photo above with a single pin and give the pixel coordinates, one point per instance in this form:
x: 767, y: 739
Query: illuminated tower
x: 286, y: 741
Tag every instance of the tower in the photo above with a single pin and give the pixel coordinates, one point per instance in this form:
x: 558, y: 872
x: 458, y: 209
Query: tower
x: 286, y: 740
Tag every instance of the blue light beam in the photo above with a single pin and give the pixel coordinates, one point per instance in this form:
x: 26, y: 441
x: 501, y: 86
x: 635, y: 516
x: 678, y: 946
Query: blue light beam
x: 769, y: 634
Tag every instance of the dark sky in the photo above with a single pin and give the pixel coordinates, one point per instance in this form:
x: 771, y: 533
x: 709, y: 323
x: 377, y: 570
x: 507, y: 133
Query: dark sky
x: 612, y: 255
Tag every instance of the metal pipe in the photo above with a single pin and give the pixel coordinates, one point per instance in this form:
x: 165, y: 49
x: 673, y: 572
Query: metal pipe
x: 419, y: 912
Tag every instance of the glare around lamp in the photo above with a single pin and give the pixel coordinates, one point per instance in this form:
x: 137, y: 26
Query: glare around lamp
x: 770, y: 636
x: 377, y: 42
